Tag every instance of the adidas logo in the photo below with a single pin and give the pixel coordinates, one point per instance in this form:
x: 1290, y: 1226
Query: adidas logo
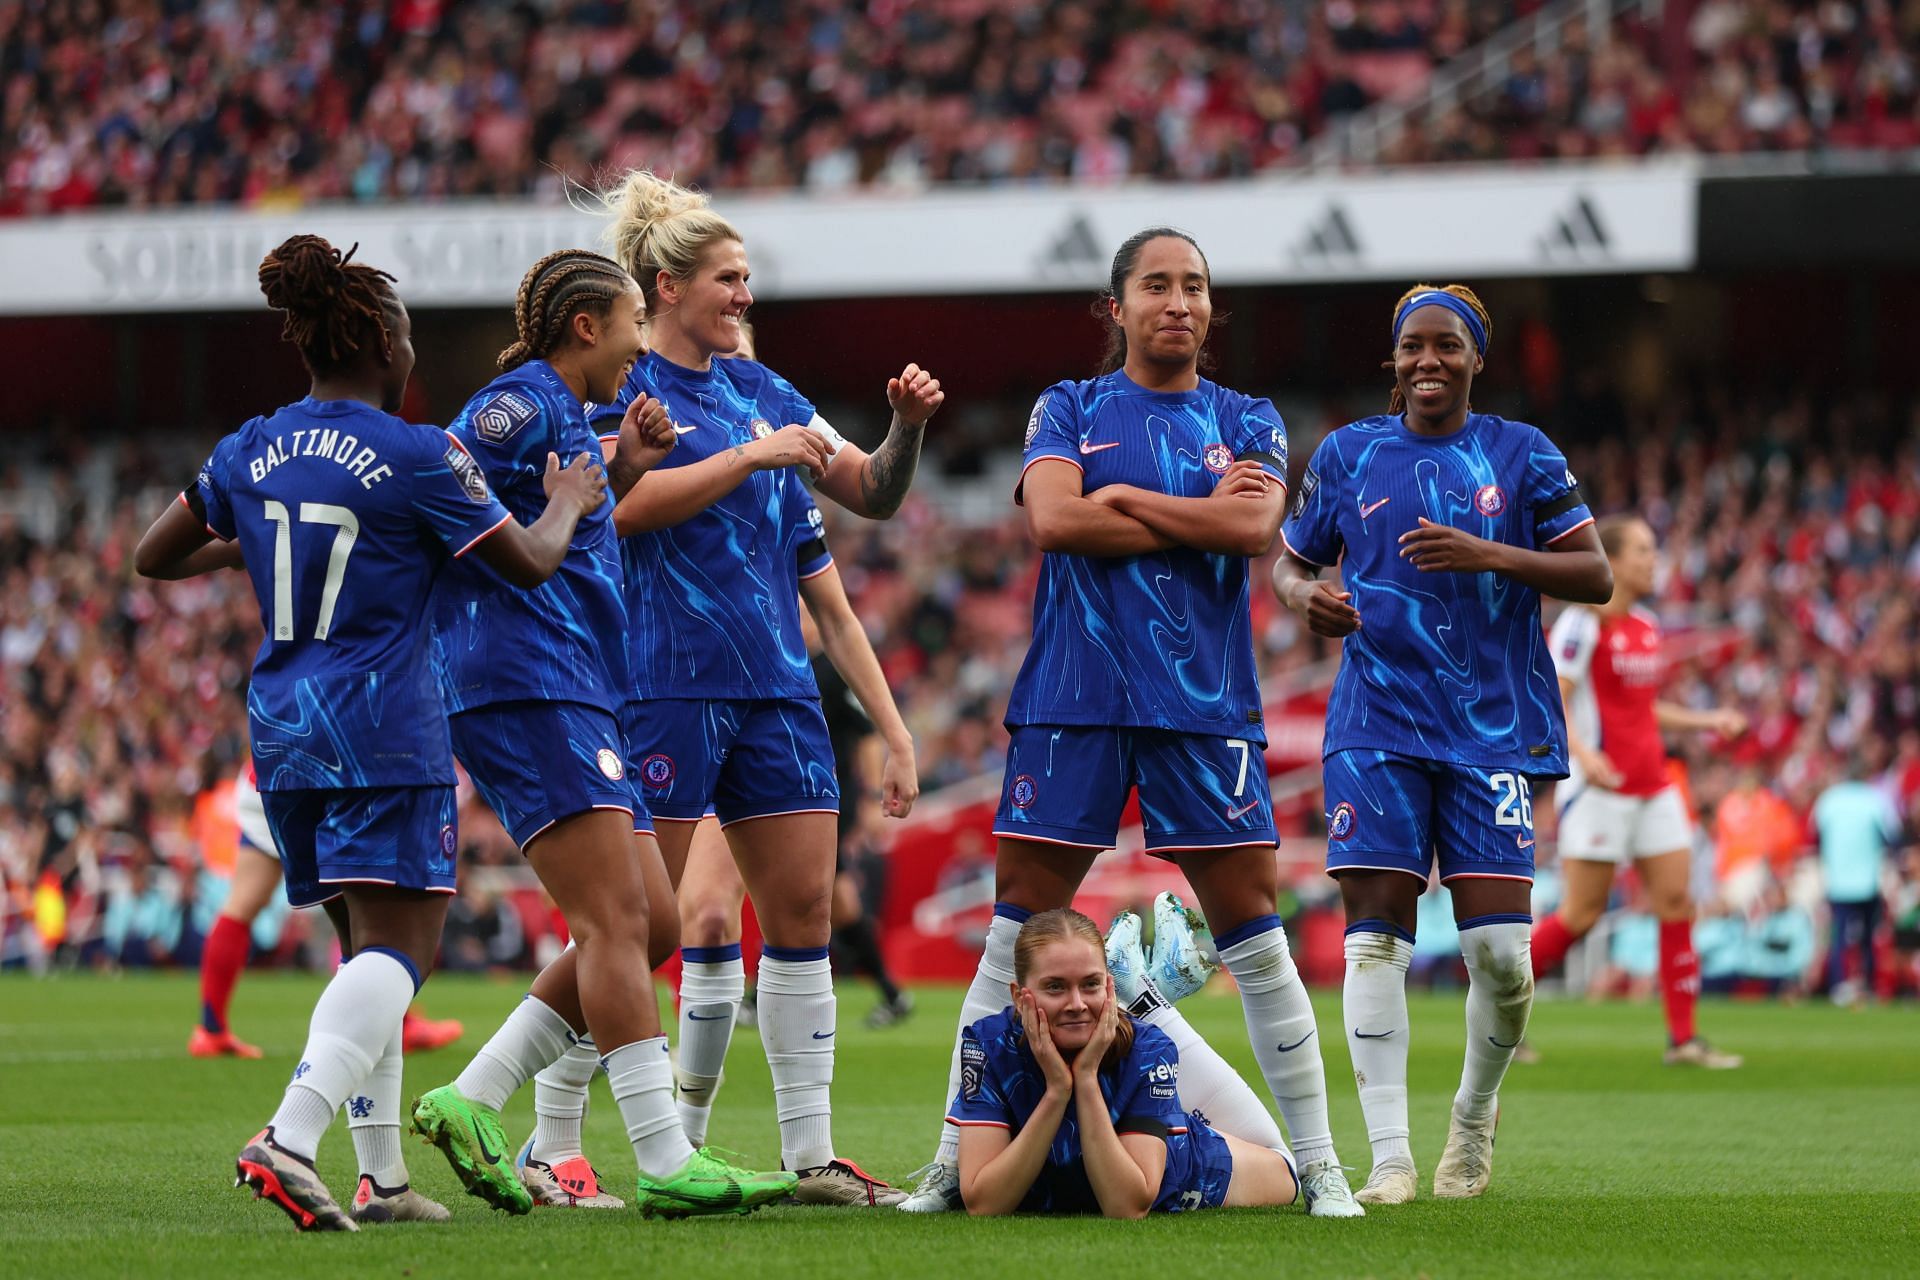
x: 1073, y: 251
x: 1577, y: 234
x: 1329, y: 241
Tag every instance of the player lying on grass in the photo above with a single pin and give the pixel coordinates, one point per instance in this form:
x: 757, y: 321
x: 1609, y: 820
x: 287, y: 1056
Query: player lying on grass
x: 1067, y: 1105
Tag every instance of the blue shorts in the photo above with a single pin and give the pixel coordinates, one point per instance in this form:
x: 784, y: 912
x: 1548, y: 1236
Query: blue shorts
x: 742, y: 758
x: 1199, y: 1167
x: 402, y: 836
x: 1388, y: 812
x: 537, y: 763
x: 1067, y: 784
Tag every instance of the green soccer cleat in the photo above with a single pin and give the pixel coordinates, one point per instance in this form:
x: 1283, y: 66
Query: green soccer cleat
x: 709, y: 1184
x: 471, y: 1138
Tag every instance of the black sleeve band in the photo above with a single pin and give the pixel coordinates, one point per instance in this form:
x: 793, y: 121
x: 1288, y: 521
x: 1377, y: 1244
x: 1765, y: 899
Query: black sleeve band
x: 195, y: 503
x: 811, y: 549
x: 1260, y: 455
x: 1559, y: 506
x: 1148, y: 1125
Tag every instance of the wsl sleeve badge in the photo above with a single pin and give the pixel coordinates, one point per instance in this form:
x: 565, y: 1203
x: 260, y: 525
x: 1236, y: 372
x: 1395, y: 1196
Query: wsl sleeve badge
x: 973, y: 1066
x: 504, y: 415
x: 467, y: 472
x: 1033, y: 419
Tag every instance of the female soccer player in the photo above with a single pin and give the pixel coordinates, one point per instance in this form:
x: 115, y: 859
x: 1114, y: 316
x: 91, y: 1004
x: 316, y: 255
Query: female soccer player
x: 1067, y: 1105
x: 530, y: 680
x: 1149, y: 488
x: 1447, y: 525
x: 1618, y: 802
x: 344, y: 516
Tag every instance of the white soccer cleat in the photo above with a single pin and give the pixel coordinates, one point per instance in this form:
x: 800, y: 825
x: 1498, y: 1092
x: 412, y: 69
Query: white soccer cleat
x: 1466, y: 1166
x: 1324, y: 1185
x: 1698, y: 1053
x: 842, y: 1182
x: 1182, y: 950
x: 1389, y: 1184
x: 571, y: 1184
x: 374, y: 1203
x: 938, y: 1191
x: 1127, y: 959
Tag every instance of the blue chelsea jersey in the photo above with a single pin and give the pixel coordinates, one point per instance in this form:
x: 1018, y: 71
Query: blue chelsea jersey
x: 345, y: 516
x: 1162, y: 640
x: 1451, y: 667
x: 1001, y: 1085
x: 564, y: 640
x: 712, y: 603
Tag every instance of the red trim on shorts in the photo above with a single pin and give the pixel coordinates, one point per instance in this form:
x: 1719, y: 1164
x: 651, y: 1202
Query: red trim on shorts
x: 1354, y: 866
x: 1483, y: 875
x: 1211, y: 848
x: 784, y: 813
x: 1064, y: 844
x: 603, y: 808
x: 373, y: 880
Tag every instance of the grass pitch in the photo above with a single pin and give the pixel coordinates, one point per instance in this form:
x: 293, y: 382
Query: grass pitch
x: 116, y: 1155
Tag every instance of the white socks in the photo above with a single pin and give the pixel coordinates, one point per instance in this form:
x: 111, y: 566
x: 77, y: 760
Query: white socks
x: 560, y: 1103
x: 1280, y: 1022
x: 354, y: 1020
x: 1498, y: 950
x: 797, y: 1024
x: 1375, y: 1005
x: 373, y: 1120
x: 531, y: 1039
x: 642, y: 1082
x: 986, y: 996
x: 713, y: 982
x: 1210, y: 1085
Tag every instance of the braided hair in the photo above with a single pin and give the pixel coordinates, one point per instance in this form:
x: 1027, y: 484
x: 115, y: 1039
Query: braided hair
x: 335, y: 307
x: 556, y: 289
x: 1397, y: 403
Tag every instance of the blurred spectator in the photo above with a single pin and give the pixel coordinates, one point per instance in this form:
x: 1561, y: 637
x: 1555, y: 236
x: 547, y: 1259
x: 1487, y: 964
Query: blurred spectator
x: 1857, y: 826
x: 483, y: 930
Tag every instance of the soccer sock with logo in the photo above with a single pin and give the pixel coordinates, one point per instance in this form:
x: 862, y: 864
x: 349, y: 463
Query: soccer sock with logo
x: 531, y: 1039
x: 797, y: 1017
x: 986, y: 996
x: 641, y: 1077
x: 1280, y: 1023
x: 1374, y: 1002
x: 1499, y: 998
x: 560, y: 1103
x: 713, y: 982
x: 1210, y: 1085
x: 1551, y: 942
x: 1679, y: 978
x: 221, y: 961
x: 353, y: 1022
x: 373, y: 1120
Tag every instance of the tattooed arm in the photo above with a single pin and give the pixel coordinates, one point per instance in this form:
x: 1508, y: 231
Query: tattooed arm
x: 874, y: 485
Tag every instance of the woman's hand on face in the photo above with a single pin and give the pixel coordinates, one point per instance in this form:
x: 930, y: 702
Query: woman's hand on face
x: 1033, y: 1019
x: 1086, y: 1066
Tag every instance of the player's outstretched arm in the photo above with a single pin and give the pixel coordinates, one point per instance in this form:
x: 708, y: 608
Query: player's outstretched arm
x: 1573, y: 568
x: 1060, y: 518
x: 875, y: 484
x: 1326, y: 610
x: 527, y: 555
x: 1239, y: 518
x: 673, y: 495
x: 177, y: 545
x: 851, y: 653
x: 1725, y: 721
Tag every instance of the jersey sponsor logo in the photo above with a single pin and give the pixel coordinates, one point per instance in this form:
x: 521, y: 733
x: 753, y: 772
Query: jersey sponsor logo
x: 505, y: 414
x: 1023, y: 791
x: 1368, y: 508
x: 1086, y: 448
x: 1491, y: 500
x: 1217, y: 457
x: 1033, y: 419
x: 1162, y: 1091
x: 1162, y: 1071
x: 657, y: 769
x: 973, y: 1067
x: 1341, y: 821
x: 760, y: 428
x: 609, y: 762
x: 472, y: 482
x: 814, y: 519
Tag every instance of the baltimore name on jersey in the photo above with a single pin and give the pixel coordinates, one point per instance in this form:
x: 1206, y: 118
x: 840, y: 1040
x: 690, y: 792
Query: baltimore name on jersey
x: 1162, y: 640
x: 1452, y: 667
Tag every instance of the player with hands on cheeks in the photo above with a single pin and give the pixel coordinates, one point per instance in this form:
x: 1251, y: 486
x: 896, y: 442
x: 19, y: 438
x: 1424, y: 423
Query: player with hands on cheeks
x: 1448, y: 526
x: 1067, y: 1105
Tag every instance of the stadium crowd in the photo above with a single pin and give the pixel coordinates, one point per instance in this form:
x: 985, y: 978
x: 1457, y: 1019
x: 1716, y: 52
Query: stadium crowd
x: 272, y: 102
x: 1788, y: 527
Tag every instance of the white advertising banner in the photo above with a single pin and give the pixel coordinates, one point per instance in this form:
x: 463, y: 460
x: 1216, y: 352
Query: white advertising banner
x: 1495, y: 222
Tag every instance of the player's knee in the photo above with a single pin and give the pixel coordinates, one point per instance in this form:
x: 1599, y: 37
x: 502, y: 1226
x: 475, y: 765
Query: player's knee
x: 1502, y: 958
x: 1579, y: 917
x: 1673, y: 905
x: 709, y: 924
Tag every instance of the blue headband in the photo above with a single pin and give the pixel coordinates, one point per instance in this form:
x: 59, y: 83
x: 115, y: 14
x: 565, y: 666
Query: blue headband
x: 1437, y: 298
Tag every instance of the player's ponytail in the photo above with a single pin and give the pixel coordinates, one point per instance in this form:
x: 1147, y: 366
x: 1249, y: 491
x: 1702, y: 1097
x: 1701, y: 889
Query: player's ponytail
x: 1125, y: 259
x: 660, y: 226
x: 1063, y: 924
x: 1397, y: 403
x: 335, y: 307
x: 557, y: 288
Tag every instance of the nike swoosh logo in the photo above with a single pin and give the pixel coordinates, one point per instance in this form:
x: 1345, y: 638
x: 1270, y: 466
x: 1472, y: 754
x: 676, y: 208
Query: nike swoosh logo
x: 1234, y: 815
x: 1289, y: 1048
x: 823, y: 1035
x: 1095, y: 448
x: 480, y: 1139
x: 1368, y: 508
x: 1498, y: 1045
x: 1377, y: 1035
x: 1524, y: 844
x: 680, y: 430
x: 707, y: 1017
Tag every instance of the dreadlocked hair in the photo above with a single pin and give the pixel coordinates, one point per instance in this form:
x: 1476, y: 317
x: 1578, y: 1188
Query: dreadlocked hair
x: 1397, y: 403
x: 334, y: 306
x: 556, y: 289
